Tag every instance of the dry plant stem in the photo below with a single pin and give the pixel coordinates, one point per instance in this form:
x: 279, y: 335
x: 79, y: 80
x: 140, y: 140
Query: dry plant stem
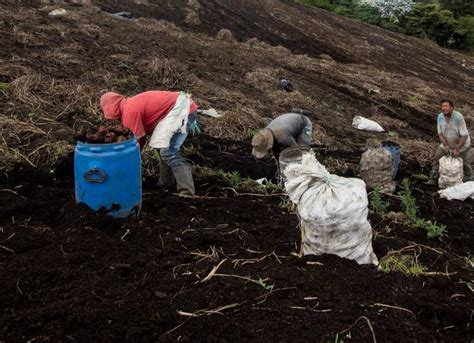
x: 253, y: 194
x: 396, y: 308
x: 13, y: 192
x: 7, y: 249
x: 213, y: 271
x: 266, y: 295
x: 200, y: 313
x: 355, y: 323
x: 240, y: 277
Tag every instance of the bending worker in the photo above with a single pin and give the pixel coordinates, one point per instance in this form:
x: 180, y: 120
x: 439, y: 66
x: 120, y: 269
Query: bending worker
x: 167, y: 117
x: 285, y: 131
x: 455, y: 140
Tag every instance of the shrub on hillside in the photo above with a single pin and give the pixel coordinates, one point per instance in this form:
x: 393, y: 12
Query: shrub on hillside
x: 432, y: 22
x: 459, y: 7
x: 426, y: 19
x: 465, y: 29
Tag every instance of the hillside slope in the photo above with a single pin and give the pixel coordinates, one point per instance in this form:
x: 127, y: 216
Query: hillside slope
x: 58, y: 66
x: 222, y: 267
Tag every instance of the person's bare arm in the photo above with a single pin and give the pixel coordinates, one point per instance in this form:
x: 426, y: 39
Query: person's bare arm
x: 460, y: 144
x: 444, y: 141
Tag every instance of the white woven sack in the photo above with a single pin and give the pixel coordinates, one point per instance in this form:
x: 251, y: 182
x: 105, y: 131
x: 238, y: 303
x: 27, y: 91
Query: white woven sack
x: 376, y: 169
x: 333, y: 211
x: 365, y: 124
x: 459, y: 192
x: 450, y: 171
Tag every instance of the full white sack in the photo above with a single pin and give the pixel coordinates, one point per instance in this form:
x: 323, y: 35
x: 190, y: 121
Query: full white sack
x: 459, y: 192
x: 365, y: 124
x: 451, y: 171
x: 333, y: 211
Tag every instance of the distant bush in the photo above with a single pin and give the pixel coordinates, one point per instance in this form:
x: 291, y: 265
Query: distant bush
x: 449, y: 23
x: 458, y: 7
x: 431, y: 21
x: 465, y: 29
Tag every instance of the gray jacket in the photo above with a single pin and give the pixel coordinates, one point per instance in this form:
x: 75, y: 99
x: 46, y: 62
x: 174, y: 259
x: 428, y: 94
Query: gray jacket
x: 291, y: 129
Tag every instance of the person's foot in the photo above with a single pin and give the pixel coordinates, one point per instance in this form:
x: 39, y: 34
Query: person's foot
x: 184, y: 181
x: 185, y: 194
x: 467, y: 179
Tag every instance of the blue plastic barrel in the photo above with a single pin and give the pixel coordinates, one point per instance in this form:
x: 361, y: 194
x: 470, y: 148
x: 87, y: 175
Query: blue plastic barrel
x: 108, y: 177
x: 394, y: 149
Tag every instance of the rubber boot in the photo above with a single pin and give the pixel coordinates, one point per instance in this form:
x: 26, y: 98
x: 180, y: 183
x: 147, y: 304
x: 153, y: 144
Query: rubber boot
x: 433, y: 181
x: 166, y: 176
x: 184, y: 181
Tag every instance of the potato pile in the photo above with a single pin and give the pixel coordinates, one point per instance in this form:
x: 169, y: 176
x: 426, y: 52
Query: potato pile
x: 103, y: 134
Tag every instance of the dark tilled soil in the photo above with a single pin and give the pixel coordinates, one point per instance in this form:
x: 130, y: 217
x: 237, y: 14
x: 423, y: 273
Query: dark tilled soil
x: 69, y: 275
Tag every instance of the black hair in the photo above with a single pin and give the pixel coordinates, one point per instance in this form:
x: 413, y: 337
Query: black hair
x: 449, y: 101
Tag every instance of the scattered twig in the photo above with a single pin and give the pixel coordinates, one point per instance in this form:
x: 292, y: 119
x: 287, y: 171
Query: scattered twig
x: 18, y: 287
x: 125, y: 235
x: 179, y: 266
x: 162, y: 242
x: 252, y: 194
x: 62, y: 251
x: 445, y: 328
x: 13, y: 192
x: 438, y: 251
x: 200, y: 313
x: 355, y: 323
x: 266, y: 295
x: 213, y: 271
x: 176, y: 327
x: 257, y: 282
x: 396, y: 308
x: 7, y: 249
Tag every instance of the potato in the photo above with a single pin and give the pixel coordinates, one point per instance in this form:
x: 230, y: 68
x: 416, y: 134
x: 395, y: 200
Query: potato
x: 120, y: 130
x: 103, y: 130
x: 80, y: 135
x: 109, y: 137
x: 121, y: 139
x: 94, y: 138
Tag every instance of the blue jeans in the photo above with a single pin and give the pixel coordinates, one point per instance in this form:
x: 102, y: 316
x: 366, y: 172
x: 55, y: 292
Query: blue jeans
x: 172, y: 155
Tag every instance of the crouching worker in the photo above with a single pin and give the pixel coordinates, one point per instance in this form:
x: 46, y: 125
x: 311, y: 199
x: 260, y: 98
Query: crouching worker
x: 455, y: 140
x: 167, y: 117
x: 285, y: 131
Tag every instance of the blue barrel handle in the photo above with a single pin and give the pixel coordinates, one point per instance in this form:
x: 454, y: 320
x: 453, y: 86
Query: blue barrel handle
x: 94, y: 175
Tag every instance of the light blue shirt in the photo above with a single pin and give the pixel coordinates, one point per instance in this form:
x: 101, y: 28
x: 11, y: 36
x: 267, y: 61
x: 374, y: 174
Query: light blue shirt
x: 453, y: 130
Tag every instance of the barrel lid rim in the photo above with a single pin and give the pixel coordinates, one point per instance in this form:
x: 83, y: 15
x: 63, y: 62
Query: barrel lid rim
x: 104, y: 145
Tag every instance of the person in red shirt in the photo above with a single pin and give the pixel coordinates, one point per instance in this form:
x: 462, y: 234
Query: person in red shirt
x: 141, y: 114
